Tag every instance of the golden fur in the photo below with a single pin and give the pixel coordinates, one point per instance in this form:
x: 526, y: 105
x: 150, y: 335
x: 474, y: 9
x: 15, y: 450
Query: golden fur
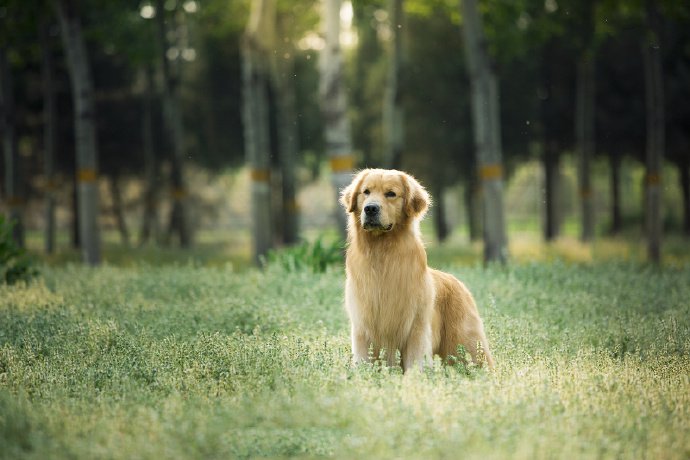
x: 394, y: 300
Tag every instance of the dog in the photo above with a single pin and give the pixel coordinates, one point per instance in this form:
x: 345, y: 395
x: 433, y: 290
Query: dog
x: 395, y: 302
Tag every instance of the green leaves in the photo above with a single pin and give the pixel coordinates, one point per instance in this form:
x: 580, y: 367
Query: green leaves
x: 15, y: 264
x: 316, y: 256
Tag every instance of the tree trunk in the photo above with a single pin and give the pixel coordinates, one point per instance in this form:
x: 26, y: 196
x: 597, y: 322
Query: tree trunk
x: 439, y: 214
x: 393, y: 115
x: 654, y: 90
x: 14, y: 190
x: 585, y: 118
x: 150, y: 217
x: 473, y: 206
x: 75, y: 239
x: 179, y: 222
x: 49, y: 129
x: 487, y: 132
x: 584, y: 127
x: 256, y: 121
x: 616, y: 217
x: 684, y: 177
x: 368, y: 50
x: 85, y: 127
x: 288, y: 133
x: 118, y: 209
x: 337, y: 133
x: 551, y: 181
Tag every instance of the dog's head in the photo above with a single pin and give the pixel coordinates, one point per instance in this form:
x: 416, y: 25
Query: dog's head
x: 381, y: 200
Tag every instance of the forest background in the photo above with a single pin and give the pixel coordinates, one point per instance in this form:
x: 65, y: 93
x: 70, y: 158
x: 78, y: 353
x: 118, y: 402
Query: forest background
x: 211, y: 125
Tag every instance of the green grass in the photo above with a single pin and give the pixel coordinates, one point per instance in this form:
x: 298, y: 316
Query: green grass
x: 593, y: 361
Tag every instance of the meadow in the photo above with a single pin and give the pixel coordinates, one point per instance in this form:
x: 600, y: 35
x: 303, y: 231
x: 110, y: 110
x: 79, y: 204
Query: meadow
x: 191, y: 361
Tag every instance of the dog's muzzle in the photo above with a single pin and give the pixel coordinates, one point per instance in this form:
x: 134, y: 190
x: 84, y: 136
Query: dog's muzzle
x: 372, y: 218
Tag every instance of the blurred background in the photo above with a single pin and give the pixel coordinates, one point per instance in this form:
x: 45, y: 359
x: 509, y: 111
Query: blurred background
x: 219, y: 131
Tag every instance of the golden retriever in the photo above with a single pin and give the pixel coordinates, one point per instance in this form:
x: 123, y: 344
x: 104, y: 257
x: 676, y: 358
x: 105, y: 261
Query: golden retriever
x: 394, y: 300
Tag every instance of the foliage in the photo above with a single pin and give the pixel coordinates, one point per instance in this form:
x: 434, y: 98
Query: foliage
x: 15, y: 264
x: 316, y: 256
x: 189, y: 362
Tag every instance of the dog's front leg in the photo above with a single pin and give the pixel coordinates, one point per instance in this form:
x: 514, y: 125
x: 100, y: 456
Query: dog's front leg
x: 360, y: 345
x: 418, y: 350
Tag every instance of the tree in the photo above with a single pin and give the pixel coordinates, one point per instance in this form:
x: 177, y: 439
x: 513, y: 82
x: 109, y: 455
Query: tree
x: 585, y: 118
x: 337, y: 133
x: 556, y: 112
x: 367, y: 79
x: 255, y: 80
x: 149, y: 225
x: 393, y: 114
x: 85, y: 128
x: 437, y: 128
x: 14, y: 189
x: 654, y: 91
x: 288, y: 127
x: 179, y: 220
x: 487, y: 131
x: 49, y: 131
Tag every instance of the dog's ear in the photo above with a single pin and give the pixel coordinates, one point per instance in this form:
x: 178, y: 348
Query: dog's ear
x: 348, y: 197
x: 417, y: 199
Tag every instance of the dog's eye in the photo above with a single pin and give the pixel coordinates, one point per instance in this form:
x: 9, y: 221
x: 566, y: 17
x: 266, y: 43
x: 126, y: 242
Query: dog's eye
x: 366, y: 191
x: 390, y: 194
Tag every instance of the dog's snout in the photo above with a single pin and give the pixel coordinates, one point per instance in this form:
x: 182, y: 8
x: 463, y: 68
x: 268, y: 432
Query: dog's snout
x: 372, y: 209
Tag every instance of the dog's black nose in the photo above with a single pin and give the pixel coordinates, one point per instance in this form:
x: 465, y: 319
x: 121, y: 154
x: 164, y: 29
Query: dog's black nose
x: 372, y: 209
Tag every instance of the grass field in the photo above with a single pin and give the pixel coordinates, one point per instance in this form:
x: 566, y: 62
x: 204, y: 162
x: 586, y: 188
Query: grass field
x: 204, y: 362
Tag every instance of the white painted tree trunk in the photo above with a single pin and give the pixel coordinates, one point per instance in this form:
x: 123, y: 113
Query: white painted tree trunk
x: 337, y: 132
x: 49, y: 126
x: 654, y: 90
x: 584, y: 130
x: 85, y: 127
x: 256, y: 122
x: 13, y: 178
x: 487, y: 131
x: 393, y: 114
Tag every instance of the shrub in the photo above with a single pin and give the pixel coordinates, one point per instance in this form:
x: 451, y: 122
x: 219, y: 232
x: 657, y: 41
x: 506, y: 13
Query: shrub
x: 316, y: 256
x: 15, y: 264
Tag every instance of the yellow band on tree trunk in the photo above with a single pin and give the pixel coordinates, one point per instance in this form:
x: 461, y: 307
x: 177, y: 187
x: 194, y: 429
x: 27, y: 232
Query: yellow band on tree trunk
x: 178, y: 193
x: 586, y: 193
x: 488, y: 172
x: 86, y: 175
x: 260, y: 175
x: 652, y: 178
x: 343, y: 163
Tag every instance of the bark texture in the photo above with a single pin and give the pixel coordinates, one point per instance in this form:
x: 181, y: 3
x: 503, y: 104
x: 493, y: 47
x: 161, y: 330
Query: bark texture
x: 149, y: 226
x: 255, y: 80
x: 393, y: 114
x: 487, y: 131
x: 584, y: 128
x: 551, y: 182
x: 654, y: 89
x: 85, y: 127
x: 337, y: 131
x: 49, y: 130
x: 179, y: 220
x: 14, y: 187
x: 288, y: 136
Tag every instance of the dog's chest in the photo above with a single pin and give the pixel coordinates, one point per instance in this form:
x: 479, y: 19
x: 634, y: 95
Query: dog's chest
x: 389, y: 297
